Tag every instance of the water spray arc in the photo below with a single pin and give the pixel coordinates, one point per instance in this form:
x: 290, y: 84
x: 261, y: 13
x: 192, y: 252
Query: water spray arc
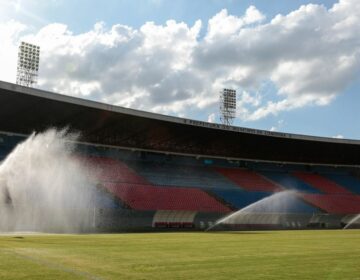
x: 352, y: 221
x: 44, y: 187
x: 277, y: 200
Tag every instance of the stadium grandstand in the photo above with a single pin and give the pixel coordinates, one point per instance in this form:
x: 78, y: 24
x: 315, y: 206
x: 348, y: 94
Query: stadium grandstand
x: 160, y: 172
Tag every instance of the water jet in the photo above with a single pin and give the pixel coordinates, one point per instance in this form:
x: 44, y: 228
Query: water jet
x: 44, y: 187
x: 265, y: 210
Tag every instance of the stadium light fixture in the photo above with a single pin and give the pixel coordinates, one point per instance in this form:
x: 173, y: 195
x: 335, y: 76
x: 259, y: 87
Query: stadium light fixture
x: 28, y: 64
x: 227, y: 106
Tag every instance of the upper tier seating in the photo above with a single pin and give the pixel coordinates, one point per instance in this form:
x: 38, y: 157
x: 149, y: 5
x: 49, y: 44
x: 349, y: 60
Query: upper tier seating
x: 335, y: 204
x: 148, y: 197
x: 321, y: 183
x: 289, y: 182
x: 248, y: 179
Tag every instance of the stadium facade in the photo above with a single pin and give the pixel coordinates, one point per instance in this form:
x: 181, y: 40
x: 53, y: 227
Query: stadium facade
x: 161, y: 172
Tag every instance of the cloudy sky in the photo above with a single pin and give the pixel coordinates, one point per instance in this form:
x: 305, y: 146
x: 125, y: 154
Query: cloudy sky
x: 295, y: 64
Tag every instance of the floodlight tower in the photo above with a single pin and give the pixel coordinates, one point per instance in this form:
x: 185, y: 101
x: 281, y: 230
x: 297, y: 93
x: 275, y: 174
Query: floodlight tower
x: 227, y: 106
x: 28, y: 64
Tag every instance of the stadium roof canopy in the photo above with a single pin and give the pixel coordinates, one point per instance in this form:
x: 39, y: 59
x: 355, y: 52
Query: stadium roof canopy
x: 25, y: 110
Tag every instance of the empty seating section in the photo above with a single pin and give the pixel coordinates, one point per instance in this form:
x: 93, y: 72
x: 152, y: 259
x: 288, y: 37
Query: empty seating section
x: 289, y: 182
x: 148, y: 197
x: 335, y: 204
x: 248, y: 179
x: 151, y: 182
x: 146, y: 185
x: 170, y: 174
x: 347, y: 181
x: 321, y: 183
x: 110, y: 170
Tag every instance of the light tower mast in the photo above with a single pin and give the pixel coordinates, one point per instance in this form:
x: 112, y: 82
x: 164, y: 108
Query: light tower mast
x: 227, y: 106
x: 28, y: 64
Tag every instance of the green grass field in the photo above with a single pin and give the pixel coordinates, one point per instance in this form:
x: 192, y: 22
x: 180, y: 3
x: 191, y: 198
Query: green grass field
x: 229, y: 255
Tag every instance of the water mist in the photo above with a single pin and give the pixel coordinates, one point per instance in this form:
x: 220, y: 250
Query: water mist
x: 44, y: 187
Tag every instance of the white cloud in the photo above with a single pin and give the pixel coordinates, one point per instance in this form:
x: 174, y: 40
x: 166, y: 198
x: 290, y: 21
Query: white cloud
x: 145, y: 68
x: 211, y: 118
x: 339, y: 136
x: 223, y: 25
x: 253, y: 15
x: 310, y: 55
x: 23, y: 9
x: 278, y: 126
x: 9, y: 34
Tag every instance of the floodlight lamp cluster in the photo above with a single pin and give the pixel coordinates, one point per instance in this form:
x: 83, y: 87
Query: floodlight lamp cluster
x: 28, y: 64
x: 227, y: 106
